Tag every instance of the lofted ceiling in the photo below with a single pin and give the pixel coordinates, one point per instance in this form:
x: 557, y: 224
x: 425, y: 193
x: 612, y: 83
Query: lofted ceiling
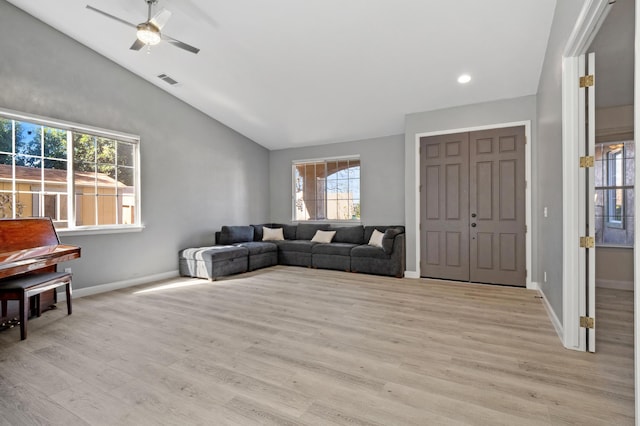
x: 289, y: 73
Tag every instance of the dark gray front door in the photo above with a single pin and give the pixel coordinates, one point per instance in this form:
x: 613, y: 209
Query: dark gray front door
x: 473, y: 206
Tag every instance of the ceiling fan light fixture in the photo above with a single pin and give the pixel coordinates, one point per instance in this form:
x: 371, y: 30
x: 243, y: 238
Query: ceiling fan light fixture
x: 148, y: 34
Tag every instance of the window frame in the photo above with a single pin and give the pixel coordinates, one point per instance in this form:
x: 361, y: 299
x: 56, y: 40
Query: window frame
x: 71, y: 128
x: 609, y: 188
x: 613, y: 157
x: 294, y: 163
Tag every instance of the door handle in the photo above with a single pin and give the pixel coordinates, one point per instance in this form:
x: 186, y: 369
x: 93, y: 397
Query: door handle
x: 473, y: 225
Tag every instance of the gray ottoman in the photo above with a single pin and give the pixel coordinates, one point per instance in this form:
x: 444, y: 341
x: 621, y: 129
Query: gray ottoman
x: 213, y: 262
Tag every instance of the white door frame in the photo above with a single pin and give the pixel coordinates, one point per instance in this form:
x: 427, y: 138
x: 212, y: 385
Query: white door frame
x: 636, y: 251
x: 593, y: 14
x: 527, y: 177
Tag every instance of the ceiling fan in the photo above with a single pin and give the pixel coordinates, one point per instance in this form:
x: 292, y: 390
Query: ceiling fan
x: 148, y: 32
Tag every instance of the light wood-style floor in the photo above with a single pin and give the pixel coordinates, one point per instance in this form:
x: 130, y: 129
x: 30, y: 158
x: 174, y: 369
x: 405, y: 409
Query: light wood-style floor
x: 297, y: 346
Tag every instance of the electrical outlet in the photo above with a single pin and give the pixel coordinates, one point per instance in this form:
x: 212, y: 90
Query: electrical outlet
x: 67, y: 270
x: 545, y: 276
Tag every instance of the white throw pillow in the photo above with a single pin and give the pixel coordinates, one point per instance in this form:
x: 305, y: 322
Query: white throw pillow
x: 272, y: 234
x: 323, y: 236
x: 376, y: 238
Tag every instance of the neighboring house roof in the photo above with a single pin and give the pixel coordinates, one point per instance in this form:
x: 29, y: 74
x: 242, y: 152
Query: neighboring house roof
x: 32, y: 174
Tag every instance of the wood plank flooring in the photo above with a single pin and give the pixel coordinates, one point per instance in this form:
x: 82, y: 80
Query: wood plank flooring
x: 296, y: 346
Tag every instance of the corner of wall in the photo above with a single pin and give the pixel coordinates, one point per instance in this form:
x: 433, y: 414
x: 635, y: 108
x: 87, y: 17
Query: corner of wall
x: 557, y: 324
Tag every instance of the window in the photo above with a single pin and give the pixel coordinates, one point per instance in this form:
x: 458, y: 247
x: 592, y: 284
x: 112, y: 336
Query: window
x: 327, y: 189
x: 614, y: 198
x: 81, y: 178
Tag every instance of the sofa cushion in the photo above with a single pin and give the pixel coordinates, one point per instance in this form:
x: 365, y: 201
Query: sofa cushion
x: 272, y: 234
x: 389, y: 237
x: 349, y: 234
x: 368, y: 230
x: 376, y: 238
x: 257, y: 231
x: 323, y: 236
x: 258, y: 247
x: 306, y: 231
x: 288, y: 230
x: 369, y: 251
x: 338, y: 249
x: 214, y: 253
x: 302, y: 246
x: 235, y: 234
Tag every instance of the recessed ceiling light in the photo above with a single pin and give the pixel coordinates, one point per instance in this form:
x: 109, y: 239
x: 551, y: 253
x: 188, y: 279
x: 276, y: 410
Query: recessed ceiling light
x: 464, y: 78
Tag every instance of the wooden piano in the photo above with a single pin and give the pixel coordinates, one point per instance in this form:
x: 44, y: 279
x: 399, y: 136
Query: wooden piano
x: 32, y: 246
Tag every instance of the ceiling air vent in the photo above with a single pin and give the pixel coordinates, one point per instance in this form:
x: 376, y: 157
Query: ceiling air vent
x: 167, y: 79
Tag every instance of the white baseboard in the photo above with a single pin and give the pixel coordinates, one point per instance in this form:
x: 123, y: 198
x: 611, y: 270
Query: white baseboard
x: 534, y: 285
x: 412, y: 274
x: 552, y: 316
x: 103, y: 288
x: 615, y: 285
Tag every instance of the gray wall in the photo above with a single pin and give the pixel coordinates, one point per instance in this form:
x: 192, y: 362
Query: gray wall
x: 614, y: 266
x: 489, y: 113
x: 548, y: 173
x: 382, y: 177
x: 197, y: 174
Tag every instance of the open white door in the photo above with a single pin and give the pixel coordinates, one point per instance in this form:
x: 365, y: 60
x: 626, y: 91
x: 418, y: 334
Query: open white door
x: 587, y: 258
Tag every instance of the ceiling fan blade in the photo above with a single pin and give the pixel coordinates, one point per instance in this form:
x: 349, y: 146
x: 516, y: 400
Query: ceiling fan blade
x: 108, y: 15
x: 180, y: 44
x: 160, y: 19
x: 137, y: 45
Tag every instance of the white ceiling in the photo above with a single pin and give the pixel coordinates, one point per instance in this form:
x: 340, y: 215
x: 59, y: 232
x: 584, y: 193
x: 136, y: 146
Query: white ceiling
x: 290, y: 73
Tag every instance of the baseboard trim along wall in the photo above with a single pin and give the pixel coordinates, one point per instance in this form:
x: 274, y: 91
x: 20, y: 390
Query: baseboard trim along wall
x: 557, y: 325
x: 615, y: 285
x: 103, y: 288
x: 412, y: 274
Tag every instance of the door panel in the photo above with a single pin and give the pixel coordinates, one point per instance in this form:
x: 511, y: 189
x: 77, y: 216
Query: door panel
x: 508, y: 183
x: 496, y: 197
x: 484, y: 203
x: 444, y: 182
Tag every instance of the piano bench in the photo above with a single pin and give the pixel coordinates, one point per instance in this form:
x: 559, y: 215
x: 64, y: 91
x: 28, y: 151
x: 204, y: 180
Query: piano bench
x: 22, y: 287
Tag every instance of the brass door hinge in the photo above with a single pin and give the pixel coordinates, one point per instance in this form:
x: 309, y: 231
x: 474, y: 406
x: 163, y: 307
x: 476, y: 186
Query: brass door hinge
x: 587, y: 242
x: 586, y: 81
x: 587, y: 161
x: 587, y: 322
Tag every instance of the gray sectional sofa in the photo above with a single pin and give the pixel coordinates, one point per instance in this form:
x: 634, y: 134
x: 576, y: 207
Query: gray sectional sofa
x: 241, y: 248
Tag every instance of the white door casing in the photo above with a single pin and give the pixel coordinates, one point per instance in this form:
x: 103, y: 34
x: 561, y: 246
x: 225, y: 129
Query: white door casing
x: 574, y: 272
x: 586, y: 191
